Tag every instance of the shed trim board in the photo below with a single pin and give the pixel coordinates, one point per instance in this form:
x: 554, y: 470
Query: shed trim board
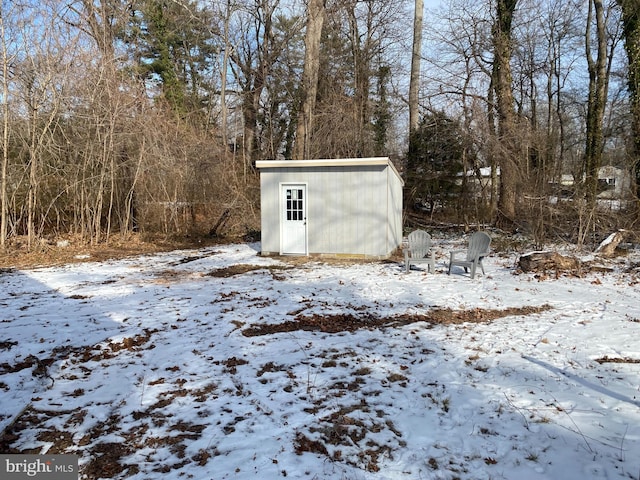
x: 331, y: 162
x: 351, y: 207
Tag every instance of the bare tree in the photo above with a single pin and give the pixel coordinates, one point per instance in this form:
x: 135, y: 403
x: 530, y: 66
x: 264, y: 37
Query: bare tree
x: 40, y: 76
x: 254, y: 56
x: 631, y: 32
x: 226, y: 47
x: 509, y: 148
x: 7, y: 59
x: 562, y: 35
x: 459, y: 75
x: 366, y: 22
x: 355, y: 57
x: 416, y: 53
x: 100, y: 21
x: 598, y: 83
x: 606, y: 37
x: 313, y: 35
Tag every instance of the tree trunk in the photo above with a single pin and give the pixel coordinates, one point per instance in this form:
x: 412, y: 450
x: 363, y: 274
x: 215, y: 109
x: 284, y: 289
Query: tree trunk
x: 250, y: 117
x: 509, y: 146
x: 4, y: 200
x: 414, y: 82
x: 100, y: 20
x: 598, y: 83
x: 32, y: 197
x: 631, y: 32
x: 362, y: 46
x: 547, y: 261
x: 223, y: 78
x: 256, y: 77
x: 313, y: 35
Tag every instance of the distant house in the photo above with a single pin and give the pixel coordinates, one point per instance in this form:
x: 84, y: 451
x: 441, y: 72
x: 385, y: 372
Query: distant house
x: 614, y: 182
x: 478, y: 180
x: 481, y: 177
x: 614, y: 185
x: 343, y: 207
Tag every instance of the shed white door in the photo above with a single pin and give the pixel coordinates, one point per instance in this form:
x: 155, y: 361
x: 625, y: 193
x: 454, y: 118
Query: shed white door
x: 293, y: 230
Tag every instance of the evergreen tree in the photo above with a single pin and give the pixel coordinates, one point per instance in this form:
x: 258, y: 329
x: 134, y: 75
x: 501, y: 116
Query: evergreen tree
x: 434, y: 161
x: 174, y: 50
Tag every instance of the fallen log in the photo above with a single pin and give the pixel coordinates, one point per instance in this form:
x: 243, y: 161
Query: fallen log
x: 547, y: 261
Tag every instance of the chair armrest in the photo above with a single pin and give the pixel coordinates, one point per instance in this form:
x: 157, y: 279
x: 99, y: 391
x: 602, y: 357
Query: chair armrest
x: 479, y: 256
x: 456, y: 252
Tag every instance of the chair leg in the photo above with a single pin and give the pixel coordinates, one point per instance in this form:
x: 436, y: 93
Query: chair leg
x: 481, y: 266
x: 473, y: 270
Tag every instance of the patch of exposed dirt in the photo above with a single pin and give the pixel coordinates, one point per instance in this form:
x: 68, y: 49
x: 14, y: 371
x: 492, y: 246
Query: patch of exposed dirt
x: 241, y: 269
x: 105, y: 461
x: 344, y: 435
x: 72, y: 249
x: 109, y: 459
x: 350, y: 322
x: 40, y: 366
x: 30, y: 416
x: 606, y: 359
x: 7, y: 345
x: 232, y: 364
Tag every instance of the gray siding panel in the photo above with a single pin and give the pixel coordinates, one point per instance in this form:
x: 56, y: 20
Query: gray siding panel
x: 270, y: 211
x: 347, y: 211
x: 395, y: 212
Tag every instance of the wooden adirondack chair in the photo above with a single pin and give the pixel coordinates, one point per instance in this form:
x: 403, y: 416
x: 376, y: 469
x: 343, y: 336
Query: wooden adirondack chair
x: 478, y: 249
x: 419, y: 251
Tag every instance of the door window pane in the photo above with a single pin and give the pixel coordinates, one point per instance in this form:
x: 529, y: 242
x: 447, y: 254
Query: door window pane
x: 294, y: 204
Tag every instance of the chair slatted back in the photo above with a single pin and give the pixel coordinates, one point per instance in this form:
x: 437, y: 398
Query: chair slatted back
x: 419, y: 243
x: 478, y: 245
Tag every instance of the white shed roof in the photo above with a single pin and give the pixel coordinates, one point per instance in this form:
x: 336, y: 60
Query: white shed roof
x: 330, y: 162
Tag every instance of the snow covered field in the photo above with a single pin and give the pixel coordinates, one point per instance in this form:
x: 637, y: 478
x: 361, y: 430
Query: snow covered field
x: 221, y: 364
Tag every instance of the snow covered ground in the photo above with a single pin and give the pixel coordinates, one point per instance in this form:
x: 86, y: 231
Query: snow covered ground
x: 195, y: 365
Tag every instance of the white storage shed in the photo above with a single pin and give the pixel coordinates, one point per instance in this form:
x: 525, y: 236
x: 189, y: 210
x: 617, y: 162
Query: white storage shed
x: 344, y: 207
